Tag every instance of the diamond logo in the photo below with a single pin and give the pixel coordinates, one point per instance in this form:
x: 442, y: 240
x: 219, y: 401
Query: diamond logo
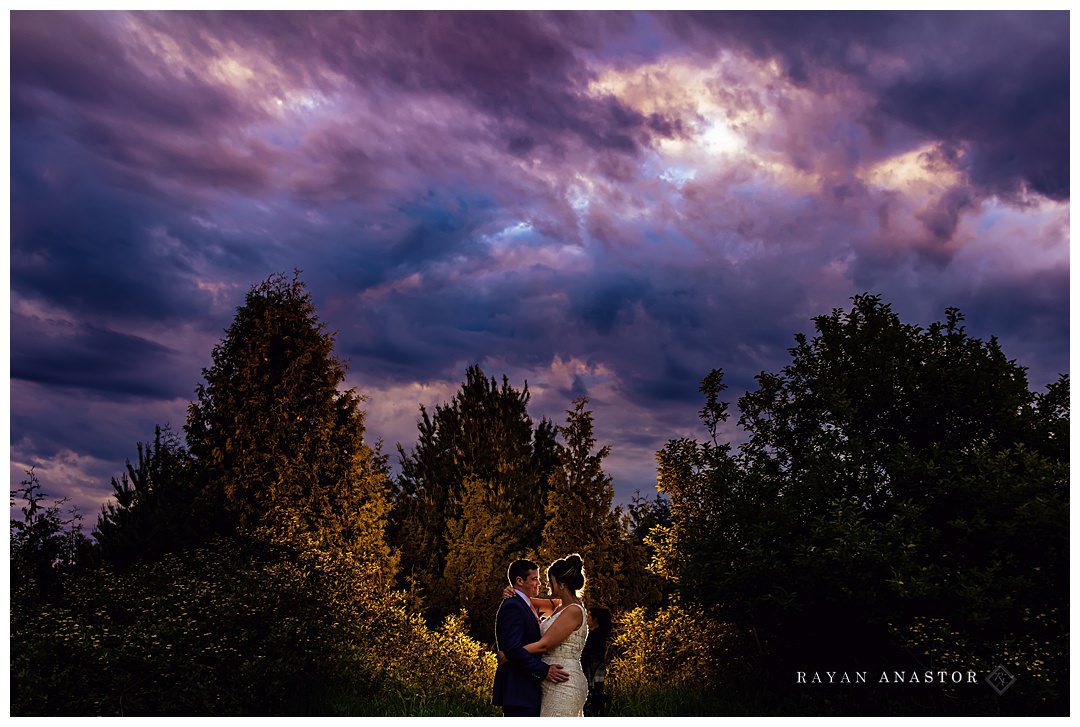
x: 1000, y: 679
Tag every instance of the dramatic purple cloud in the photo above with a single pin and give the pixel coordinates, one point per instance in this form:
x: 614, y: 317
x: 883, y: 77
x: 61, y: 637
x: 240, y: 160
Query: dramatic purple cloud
x: 600, y: 203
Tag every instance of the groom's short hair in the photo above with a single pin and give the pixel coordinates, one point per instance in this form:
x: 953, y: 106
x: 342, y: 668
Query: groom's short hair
x: 520, y: 569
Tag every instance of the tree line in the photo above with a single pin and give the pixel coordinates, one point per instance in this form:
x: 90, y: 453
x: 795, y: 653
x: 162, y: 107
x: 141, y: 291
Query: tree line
x: 901, y: 500
x: 484, y: 486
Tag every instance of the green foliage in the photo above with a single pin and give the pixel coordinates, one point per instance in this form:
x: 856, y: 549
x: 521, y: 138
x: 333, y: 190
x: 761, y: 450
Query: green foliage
x: 988, y: 586
x: 579, y: 516
x: 644, y: 588
x: 1052, y: 413
x: 643, y: 515
x: 287, y: 609
x: 153, y: 509
x: 44, y: 545
x: 901, y: 501
x: 277, y: 444
x: 234, y: 628
x: 482, y: 438
x: 673, y: 662
x: 486, y: 537
x: 704, y: 505
x: 893, y: 477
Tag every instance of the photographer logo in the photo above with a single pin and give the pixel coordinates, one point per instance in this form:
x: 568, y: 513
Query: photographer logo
x: 1000, y: 679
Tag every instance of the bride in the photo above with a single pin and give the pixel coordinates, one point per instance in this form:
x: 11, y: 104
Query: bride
x: 562, y: 637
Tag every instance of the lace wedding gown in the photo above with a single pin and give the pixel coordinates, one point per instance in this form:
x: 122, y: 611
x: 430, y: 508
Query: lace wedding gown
x: 566, y: 699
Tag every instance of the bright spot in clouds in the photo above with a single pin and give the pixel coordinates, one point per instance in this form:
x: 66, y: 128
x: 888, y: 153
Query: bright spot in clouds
x: 600, y: 203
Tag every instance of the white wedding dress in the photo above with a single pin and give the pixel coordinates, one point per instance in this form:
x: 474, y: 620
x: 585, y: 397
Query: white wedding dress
x: 566, y: 699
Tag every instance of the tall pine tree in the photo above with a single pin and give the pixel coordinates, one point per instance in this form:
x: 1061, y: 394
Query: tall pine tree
x: 483, y: 439
x: 578, y: 513
x: 278, y: 446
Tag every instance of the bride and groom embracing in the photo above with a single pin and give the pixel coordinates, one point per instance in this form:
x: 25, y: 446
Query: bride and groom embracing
x: 541, y: 640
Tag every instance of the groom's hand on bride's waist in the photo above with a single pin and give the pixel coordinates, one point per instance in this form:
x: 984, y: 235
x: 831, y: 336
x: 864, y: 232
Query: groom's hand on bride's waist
x: 556, y: 674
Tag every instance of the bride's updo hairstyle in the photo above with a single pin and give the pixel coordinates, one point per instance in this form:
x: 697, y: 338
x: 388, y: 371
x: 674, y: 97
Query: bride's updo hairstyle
x: 569, y: 571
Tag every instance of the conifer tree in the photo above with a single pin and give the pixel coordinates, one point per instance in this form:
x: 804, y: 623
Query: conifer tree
x: 484, y: 434
x: 280, y: 448
x: 154, y: 509
x: 578, y: 513
x: 486, y: 537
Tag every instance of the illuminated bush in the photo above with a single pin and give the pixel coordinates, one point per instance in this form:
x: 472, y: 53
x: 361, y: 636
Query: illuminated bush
x: 230, y: 630
x: 678, y: 655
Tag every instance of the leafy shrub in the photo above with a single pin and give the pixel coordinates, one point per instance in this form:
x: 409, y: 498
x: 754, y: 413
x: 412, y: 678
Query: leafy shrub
x: 233, y: 629
x: 674, y: 662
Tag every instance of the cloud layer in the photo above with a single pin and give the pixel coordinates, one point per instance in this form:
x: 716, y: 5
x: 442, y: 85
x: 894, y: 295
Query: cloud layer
x: 601, y: 203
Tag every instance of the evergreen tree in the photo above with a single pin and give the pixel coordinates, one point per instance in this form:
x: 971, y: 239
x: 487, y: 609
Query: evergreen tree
x: 578, y: 513
x: 484, y: 434
x: 153, y: 511
x: 642, y: 515
x: 280, y: 449
x: 486, y: 537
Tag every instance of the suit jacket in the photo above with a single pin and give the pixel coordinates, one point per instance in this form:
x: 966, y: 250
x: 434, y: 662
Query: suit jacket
x: 517, y: 680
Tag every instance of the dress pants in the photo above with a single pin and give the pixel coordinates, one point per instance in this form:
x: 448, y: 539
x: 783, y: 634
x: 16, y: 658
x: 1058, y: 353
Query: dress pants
x: 509, y: 711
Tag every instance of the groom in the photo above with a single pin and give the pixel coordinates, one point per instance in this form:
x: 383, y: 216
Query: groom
x: 517, y: 680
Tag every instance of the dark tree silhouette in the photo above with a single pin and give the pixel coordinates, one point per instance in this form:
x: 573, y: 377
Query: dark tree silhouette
x: 153, y: 510
x: 902, y: 496
x: 45, y: 545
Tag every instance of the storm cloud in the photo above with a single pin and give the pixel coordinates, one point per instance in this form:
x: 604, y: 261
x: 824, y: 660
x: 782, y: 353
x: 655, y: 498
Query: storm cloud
x: 604, y: 203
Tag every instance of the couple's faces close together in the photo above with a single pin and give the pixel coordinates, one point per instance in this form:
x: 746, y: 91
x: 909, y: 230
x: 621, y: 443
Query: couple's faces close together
x: 531, y: 585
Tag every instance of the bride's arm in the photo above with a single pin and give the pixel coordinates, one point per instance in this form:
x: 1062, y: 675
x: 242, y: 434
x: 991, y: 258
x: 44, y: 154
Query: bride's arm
x: 557, y: 633
x: 542, y: 605
x: 546, y: 605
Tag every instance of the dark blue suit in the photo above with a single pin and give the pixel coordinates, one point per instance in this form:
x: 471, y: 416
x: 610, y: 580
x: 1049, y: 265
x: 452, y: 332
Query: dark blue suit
x: 517, y: 680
